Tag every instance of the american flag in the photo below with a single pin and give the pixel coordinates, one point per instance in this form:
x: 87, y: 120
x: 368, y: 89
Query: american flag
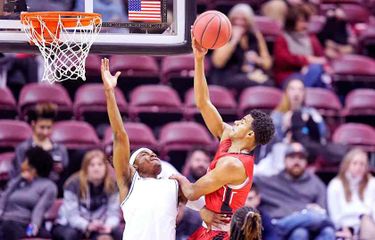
x: 144, y: 11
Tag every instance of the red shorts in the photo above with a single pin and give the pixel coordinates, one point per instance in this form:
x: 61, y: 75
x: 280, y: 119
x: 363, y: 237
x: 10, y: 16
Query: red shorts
x: 203, y: 234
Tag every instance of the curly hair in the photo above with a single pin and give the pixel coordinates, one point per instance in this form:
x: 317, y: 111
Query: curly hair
x: 262, y: 126
x: 40, y: 160
x: 246, y: 224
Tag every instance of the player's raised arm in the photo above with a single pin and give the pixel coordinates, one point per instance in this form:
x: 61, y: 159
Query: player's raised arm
x: 211, y: 116
x: 121, y: 149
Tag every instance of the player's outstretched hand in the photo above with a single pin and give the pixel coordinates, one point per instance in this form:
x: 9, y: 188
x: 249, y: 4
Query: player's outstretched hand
x: 198, y: 50
x: 109, y: 80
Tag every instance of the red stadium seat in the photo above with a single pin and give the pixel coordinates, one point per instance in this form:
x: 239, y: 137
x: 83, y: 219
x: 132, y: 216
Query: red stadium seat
x: 155, y: 105
x: 178, y: 138
x: 178, y: 71
x: 355, y: 13
x: 221, y: 98
x: 75, y: 135
x: 269, y: 28
x: 8, y: 105
x: 140, y: 135
x: 35, y: 93
x: 6, y: 165
x: 93, y: 63
x: 360, y: 106
x: 367, y: 41
x: 136, y: 70
x: 90, y: 103
x: 13, y: 132
x: 264, y: 98
x: 323, y: 100
x: 316, y: 23
x: 225, y: 5
x: 356, y: 134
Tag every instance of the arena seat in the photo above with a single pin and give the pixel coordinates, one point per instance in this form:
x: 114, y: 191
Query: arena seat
x: 225, y: 5
x: 90, y: 103
x: 356, y: 134
x: 75, y: 134
x: 135, y: 70
x: 269, y: 28
x: 360, y: 106
x: 35, y: 93
x: 324, y: 100
x: 140, y: 135
x: 177, y: 138
x: 13, y: 132
x: 155, y: 105
x: 93, y: 64
x: 260, y: 97
x: 178, y: 71
x: 367, y: 41
x: 220, y: 97
x: 8, y: 105
x: 355, y: 12
x: 316, y: 24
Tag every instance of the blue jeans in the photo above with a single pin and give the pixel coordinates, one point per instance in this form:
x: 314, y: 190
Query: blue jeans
x: 300, y: 225
x: 313, y: 76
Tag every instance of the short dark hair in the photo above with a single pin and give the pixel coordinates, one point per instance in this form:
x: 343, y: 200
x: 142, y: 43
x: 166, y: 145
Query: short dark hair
x: 40, y: 160
x: 254, y: 188
x: 43, y: 111
x: 263, y: 127
x: 294, y: 13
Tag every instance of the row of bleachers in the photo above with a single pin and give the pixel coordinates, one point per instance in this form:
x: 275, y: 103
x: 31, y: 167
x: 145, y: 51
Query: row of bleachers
x: 149, y: 100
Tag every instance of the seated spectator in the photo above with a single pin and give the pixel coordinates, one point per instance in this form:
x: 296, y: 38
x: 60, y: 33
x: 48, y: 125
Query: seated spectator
x: 276, y: 10
x: 335, y: 34
x: 41, y: 120
x: 296, y: 199
x: 253, y: 200
x: 27, y: 198
x: 244, y: 60
x: 91, y: 203
x: 111, y: 11
x: 351, y: 197
x: 295, y: 51
x: 196, y: 166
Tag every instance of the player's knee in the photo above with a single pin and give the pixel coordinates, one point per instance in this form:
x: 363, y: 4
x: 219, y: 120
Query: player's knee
x: 299, y: 234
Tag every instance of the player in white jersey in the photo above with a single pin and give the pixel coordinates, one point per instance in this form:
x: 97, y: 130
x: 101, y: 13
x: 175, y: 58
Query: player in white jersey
x: 149, y: 204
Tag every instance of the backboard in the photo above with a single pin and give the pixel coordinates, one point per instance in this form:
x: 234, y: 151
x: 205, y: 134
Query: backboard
x: 124, y: 30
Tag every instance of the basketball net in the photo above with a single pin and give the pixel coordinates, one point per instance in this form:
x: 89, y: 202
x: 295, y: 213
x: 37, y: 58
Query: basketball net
x: 64, y: 41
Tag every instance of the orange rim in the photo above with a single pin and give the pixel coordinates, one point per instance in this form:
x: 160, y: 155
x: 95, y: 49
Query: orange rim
x: 51, y: 20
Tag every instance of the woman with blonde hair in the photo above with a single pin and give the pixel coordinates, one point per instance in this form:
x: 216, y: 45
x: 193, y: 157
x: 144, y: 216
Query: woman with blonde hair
x: 351, y: 197
x: 244, y: 60
x: 91, y: 202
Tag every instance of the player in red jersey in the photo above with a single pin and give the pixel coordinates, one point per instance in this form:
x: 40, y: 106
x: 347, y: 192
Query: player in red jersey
x: 229, y: 177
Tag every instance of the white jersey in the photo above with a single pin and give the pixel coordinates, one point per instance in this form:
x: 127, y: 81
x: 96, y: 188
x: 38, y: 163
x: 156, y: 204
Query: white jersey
x: 150, y: 209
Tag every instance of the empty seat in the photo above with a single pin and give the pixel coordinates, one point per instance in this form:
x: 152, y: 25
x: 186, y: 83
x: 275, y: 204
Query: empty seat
x: 93, y: 65
x: 13, y: 132
x: 356, y: 134
x: 323, y: 100
x: 178, y: 138
x: 360, y: 106
x: 136, y: 70
x: 269, y: 28
x: 264, y: 98
x: 8, y: 105
x: 178, y: 71
x: 155, y: 105
x: 140, y: 135
x: 367, y: 41
x: 220, y: 97
x: 75, y: 134
x: 90, y: 103
x: 35, y: 93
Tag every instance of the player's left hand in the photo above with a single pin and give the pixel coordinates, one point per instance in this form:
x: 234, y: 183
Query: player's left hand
x: 213, y: 219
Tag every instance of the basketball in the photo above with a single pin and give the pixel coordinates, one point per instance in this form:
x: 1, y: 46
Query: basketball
x: 212, y: 29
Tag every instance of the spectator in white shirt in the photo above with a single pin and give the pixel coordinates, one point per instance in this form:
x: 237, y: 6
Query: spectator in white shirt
x: 351, y: 197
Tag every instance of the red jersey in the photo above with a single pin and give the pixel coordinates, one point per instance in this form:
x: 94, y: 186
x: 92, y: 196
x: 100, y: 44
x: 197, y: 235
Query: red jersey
x: 229, y: 198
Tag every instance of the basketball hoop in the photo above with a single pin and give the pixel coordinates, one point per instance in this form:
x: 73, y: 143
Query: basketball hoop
x: 64, y: 39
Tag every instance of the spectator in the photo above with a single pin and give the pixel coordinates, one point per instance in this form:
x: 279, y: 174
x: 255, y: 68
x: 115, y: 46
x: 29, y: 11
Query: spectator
x: 42, y: 119
x: 296, y: 51
x: 351, y: 197
x: 253, y: 200
x: 91, y: 203
x: 244, y: 60
x: 195, y: 167
x: 296, y: 199
x: 276, y: 10
x: 27, y: 197
x: 335, y: 34
x: 111, y: 11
